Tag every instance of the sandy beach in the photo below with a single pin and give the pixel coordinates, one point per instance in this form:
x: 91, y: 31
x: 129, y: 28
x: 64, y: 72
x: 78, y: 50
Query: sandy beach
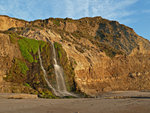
x: 116, y: 102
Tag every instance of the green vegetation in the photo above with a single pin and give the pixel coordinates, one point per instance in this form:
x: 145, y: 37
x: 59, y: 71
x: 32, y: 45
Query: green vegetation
x: 13, y: 38
x: 22, y: 66
x: 59, y: 54
x: 45, y: 93
x: 56, y: 22
x: 42, y: 44
x: 58, y: 47
x: 25, y: 71
x: 18, y: 71
x: 29, y: 47
x: 26, y: 84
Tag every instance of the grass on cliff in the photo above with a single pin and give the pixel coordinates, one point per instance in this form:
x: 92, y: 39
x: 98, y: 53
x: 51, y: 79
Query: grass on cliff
x: 22, y: 66
x: 29, y: 75
x: 56, y: 22
x: 58, y: 47
x: 29, y: 47
x: 25, y: 71
x: 18, y: 71
x: 13, y: 38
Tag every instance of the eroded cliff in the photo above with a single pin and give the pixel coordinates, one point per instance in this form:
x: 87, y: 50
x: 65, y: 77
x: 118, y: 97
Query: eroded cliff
x: 97, y: 55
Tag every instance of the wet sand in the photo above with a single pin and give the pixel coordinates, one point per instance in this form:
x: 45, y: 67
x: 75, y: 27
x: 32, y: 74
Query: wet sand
x: 115, y: 102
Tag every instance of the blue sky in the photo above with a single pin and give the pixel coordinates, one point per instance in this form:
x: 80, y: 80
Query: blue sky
x: 133, y: 13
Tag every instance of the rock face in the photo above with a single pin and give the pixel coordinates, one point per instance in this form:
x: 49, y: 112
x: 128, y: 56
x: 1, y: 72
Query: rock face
x: 7, y: 22
x: 97, y: 55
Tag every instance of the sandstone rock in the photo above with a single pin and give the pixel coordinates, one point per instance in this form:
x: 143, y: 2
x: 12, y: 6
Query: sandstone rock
x: 7, y: 22
x: 113, y: 54
x: 1, y: 79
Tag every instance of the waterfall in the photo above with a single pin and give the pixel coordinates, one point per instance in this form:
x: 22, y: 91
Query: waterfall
x: 45, y: 75
x: 61, y: 87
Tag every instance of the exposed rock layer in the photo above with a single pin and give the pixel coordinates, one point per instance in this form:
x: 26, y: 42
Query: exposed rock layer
x: 104, y: 55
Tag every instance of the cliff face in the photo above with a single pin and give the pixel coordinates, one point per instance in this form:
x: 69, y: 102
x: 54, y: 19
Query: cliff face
x: 7, y: 22
x: 98, y: 55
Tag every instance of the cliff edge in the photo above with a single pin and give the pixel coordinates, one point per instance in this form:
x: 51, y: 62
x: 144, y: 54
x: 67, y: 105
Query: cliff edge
x: 97, y: 55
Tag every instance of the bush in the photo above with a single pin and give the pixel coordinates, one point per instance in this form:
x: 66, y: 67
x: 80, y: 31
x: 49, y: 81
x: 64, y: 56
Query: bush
x: 56, y: 22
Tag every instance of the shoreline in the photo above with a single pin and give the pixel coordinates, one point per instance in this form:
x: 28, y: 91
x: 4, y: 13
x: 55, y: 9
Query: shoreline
x: 105, y: 95
x: 104, y: 104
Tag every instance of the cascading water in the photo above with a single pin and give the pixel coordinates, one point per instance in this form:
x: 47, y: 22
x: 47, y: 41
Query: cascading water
x: 45, y: 75
x: 61, y: 87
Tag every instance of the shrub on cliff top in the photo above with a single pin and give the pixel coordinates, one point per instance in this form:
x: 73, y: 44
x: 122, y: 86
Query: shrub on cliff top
x: 56, y: 22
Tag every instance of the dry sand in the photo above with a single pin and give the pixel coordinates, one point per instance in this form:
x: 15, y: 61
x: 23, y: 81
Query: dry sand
x: 107, y: 103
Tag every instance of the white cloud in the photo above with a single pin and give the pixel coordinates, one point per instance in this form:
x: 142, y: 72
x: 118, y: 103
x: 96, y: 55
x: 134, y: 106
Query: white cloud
x: 25, y: 9
x: 110, y: 9
x: 33, y: 9
x: 77, y: 8
x: 15, y: 9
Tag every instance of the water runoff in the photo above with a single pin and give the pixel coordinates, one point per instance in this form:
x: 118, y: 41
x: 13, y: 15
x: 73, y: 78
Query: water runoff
x: 61, y: 89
